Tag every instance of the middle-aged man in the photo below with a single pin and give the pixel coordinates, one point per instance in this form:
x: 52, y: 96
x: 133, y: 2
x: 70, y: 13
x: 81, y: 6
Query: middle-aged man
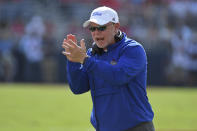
x: 114, y: 70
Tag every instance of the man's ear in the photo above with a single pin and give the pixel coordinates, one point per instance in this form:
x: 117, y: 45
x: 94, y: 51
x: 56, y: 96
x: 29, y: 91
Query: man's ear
x: 117, y: 26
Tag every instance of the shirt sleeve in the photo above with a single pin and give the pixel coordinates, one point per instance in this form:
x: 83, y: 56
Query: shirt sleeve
x: 77, y: 78
x: 132, y: 61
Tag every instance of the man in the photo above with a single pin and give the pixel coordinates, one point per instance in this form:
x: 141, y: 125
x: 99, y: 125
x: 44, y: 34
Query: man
x: 114, y: 70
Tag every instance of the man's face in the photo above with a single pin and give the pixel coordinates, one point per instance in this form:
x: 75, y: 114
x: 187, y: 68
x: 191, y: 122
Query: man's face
x: 103, y: 36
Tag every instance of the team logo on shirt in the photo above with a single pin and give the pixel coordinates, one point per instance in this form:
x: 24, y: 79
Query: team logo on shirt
x: 113, y: 62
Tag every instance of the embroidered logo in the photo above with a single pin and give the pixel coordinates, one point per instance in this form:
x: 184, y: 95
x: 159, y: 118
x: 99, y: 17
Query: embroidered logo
x: 96, y: 14
x: 113, y: 62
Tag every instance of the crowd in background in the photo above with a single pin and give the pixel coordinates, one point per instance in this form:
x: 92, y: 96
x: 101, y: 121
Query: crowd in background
x: 32, y: 31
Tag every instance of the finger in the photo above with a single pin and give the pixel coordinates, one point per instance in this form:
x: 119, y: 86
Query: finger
x: 65, y: 47
x: 82, y: 44
x: 70, y: 45
x: 66, y: 53
x: 64, y: 42
x: 72, y: 37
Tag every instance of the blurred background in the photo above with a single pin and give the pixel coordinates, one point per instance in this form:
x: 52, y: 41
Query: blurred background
x: 31, y: 35
x: 32, y: 31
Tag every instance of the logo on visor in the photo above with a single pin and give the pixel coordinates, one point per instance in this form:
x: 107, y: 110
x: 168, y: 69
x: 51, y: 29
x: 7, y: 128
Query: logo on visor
x: 96, y: 14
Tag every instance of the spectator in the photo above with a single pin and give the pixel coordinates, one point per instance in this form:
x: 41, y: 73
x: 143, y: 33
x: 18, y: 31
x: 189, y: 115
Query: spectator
x: 32, y: 47
x: 7, y: 61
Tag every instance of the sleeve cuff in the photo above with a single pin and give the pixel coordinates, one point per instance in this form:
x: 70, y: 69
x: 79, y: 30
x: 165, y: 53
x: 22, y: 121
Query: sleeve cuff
x: 88, y: 63
x: 73, y: 65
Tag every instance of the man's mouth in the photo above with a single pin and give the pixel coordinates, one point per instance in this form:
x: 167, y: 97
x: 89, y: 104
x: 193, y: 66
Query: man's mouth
x: 100, y: 39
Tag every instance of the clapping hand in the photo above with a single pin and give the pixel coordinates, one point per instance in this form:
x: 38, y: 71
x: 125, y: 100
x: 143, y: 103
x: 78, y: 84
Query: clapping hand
x: 73, y: 52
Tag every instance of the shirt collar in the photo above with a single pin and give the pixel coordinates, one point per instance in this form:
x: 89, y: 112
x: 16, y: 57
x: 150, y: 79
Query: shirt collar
x: 110, y: 47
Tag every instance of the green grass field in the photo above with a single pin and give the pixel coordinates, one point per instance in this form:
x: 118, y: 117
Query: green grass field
x: 33, y: 107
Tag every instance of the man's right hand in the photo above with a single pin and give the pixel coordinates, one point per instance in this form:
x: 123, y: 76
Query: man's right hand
x: 73, y: 52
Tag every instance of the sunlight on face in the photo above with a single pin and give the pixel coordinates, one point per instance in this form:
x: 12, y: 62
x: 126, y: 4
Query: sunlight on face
x: 105, y: 37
